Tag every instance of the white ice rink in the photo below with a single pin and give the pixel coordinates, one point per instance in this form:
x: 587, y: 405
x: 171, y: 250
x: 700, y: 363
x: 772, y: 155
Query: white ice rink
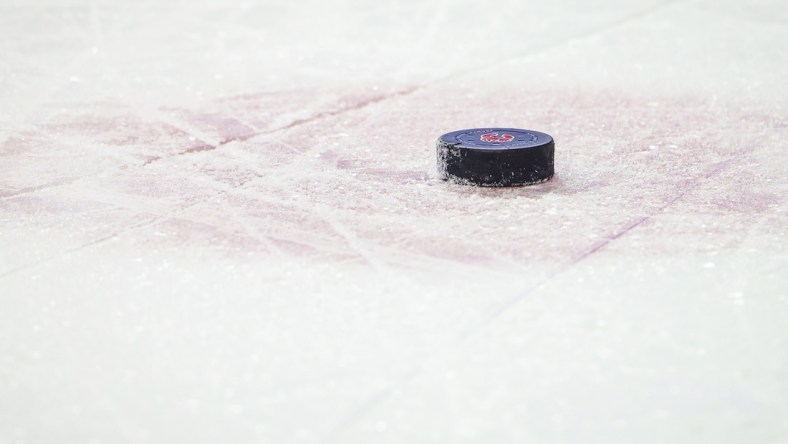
x: 220, y: 223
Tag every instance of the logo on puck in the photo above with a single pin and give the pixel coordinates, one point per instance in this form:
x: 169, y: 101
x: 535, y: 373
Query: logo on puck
x: 495, y: 137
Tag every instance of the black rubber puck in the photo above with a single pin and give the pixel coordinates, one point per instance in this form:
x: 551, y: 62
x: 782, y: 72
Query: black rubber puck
x: 496, y: 157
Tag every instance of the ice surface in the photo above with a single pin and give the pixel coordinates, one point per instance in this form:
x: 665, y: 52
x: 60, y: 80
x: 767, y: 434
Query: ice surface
x: 220, y: 222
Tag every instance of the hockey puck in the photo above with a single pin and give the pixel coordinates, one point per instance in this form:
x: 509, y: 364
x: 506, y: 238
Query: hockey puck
x: 496, y: 157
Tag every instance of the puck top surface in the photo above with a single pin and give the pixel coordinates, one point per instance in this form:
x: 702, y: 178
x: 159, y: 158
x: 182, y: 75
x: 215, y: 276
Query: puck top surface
x: 496, y: 138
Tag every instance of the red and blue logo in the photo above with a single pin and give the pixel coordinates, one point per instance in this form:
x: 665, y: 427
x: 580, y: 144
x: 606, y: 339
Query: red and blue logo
x: 496, y: 137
